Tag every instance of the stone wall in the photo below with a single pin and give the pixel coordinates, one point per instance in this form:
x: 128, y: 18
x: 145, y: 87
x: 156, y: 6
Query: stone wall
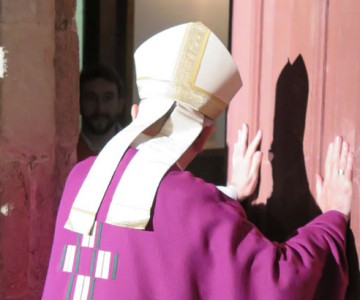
x: 38, y: 133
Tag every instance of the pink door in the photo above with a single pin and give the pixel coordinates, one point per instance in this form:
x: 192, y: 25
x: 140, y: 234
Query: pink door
x: 300, y: 65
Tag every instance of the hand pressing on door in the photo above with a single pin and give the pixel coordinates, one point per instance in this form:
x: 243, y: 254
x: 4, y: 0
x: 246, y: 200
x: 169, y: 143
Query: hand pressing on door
x: 334, y: 191
x: 246, y: 164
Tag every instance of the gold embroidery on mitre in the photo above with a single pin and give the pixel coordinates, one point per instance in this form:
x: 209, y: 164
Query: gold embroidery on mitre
x: 186, y: 72
x: 182, y: 87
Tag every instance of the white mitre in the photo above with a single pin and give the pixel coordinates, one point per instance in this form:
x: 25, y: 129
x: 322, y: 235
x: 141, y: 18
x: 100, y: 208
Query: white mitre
x: 184, y: 71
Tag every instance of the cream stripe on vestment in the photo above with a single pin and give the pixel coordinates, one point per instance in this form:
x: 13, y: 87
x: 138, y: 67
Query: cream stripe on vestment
x: 69, y: 258
x: 82, y: 287
x: 92, y: 191
x: 89, y: 240
x: 131, y: 205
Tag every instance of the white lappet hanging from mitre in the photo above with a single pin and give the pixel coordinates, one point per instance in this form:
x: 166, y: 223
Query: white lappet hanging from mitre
x: 183, y: 73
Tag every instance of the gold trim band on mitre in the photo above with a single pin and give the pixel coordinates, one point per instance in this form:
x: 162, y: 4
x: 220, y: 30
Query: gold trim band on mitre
x: 200, y: 100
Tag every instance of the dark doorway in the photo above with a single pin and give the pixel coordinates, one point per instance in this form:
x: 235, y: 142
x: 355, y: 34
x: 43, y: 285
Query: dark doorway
x: 108, y: 39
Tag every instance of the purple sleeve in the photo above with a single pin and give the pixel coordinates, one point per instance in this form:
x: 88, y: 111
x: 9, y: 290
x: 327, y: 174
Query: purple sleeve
x: 233, y: 258
x: 310, y: 265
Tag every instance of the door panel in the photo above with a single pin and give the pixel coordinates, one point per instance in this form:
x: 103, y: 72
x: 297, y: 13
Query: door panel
x: 300, y: 68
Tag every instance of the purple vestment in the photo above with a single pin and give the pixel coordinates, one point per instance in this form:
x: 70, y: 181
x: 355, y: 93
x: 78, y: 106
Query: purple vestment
x: 200, y: 245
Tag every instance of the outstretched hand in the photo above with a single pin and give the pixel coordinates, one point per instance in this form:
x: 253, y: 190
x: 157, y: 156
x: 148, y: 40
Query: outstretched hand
x: 334, y: 192
x: 245, y: 164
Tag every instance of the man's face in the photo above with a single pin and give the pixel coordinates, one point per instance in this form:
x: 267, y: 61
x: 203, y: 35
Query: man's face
x: 100, y: 105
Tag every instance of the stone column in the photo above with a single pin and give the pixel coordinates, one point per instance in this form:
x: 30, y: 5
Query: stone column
x: 38, y: 133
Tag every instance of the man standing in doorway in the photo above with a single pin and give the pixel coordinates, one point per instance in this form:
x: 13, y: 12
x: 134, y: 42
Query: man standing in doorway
x: 101, y: 104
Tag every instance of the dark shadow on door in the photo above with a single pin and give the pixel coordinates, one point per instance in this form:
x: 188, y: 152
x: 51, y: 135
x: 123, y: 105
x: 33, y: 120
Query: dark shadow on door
x: 291, y: 204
